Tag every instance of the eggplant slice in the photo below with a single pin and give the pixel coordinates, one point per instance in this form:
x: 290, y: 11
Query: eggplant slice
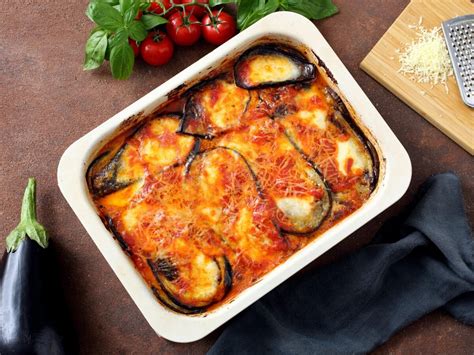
x: 117, y: 174
x: 209, y: 280
x: 320, y: 127
x: 295, y: 187
x: 231, y: 204
x: 154, y: 147
x: 214, y: 107
x: 269, y: 65
x: 189, y: 267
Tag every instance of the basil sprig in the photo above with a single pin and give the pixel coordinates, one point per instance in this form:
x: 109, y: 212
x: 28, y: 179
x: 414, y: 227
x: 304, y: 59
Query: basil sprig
x: 250, y: 11
x: 116, y: 23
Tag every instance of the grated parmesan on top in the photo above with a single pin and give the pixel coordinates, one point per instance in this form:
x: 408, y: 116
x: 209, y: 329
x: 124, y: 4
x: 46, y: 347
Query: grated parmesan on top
x: 426, y: 60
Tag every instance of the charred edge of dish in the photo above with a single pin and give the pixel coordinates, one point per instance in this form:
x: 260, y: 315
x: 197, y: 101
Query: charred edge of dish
x: 178, y: 304
x: 272, y: 48
x: 162, y: 297
x: 160, y: 116
x: 109, y: 223
x: 176, y: 92
x: 203, y: 83
x: 131, y: 121
x: 326, y: 69
x: 341, y: 107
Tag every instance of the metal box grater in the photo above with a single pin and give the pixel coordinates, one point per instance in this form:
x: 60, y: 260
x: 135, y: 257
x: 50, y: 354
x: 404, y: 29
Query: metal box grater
x: 459, y: 34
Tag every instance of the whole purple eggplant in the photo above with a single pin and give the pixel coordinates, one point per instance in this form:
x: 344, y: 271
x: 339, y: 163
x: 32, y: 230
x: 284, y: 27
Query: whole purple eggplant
x: 30, y: 314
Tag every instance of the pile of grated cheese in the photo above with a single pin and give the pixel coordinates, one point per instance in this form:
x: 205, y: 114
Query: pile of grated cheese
x: 426, y: 59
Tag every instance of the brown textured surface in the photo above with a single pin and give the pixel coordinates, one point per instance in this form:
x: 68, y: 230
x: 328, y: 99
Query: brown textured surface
x: 47, y: 102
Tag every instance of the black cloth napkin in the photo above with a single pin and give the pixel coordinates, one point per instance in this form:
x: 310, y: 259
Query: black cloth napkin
x: 417, y: 263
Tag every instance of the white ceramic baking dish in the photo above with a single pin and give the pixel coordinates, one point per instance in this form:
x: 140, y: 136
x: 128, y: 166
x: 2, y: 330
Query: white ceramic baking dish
x: 394, y: 179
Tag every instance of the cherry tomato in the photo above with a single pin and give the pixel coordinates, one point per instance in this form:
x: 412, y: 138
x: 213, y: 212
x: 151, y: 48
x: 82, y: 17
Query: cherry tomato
x: 157, y: 9
x: 219, y: 27
x: 135, y: 46
x: 196, y: 10
x: 139, y: 15
x: 157, y: 49
x: 184, y: 30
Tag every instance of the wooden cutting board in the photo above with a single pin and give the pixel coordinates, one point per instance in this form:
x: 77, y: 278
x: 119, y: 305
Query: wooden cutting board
x: 444, y: 110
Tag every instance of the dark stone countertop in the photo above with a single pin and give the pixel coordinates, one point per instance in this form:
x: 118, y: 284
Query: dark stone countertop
x: 48, y: 102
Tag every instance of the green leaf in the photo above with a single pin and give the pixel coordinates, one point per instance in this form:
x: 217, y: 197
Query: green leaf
x: 130, y: 14
x: 96, y: 46
x: 121, y: 61
x: 137, y: 31
x: 109, y: 2
x: 125, y: 5
x: 213, y: 3
x: 119, y: 38
x: 28, y: 226
x: 250, y: 11
x: 144, y: 5
x: 151, y: 21
x: 104, y: 15
x: 109, y: 48
x: 313, y: 9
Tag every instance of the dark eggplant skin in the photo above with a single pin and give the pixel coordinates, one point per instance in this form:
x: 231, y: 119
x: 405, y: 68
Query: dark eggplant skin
x: 342, y: 109
x: 164, y: 268
x: 105, y: 182
x: 32, y: 316
x: 308, y: 70
x: 197, y: 121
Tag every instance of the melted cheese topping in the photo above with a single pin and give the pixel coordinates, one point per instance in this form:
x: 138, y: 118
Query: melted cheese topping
x: 271, y: 68
x: 295, y: 207
x: 350, y: 159
x: 215, y: 108
x: 315, y: 118
x: 198, y: 223
x: 159, y: 145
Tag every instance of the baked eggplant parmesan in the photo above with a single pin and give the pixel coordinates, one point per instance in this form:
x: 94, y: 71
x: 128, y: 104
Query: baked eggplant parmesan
x: 264, y: 157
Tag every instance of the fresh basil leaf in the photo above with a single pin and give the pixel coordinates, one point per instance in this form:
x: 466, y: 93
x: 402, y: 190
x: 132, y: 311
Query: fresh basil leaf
x: 121, y: 61
x: 213, y: 3
x: 105, y: 15
x: 119, y: 38
x: 96, y: 46
x: 313, y: 9
x: 144, y: 5
x: 150, y: 21
x: 130, y: 14
x: 109, y: 2
x: 125, y: 5
x: 250, y: 11
x: 137, y: 31
x: 109, y: 48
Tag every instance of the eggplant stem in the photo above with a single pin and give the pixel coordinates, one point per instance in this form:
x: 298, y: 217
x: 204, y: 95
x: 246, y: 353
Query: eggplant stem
x: 28, y: 226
